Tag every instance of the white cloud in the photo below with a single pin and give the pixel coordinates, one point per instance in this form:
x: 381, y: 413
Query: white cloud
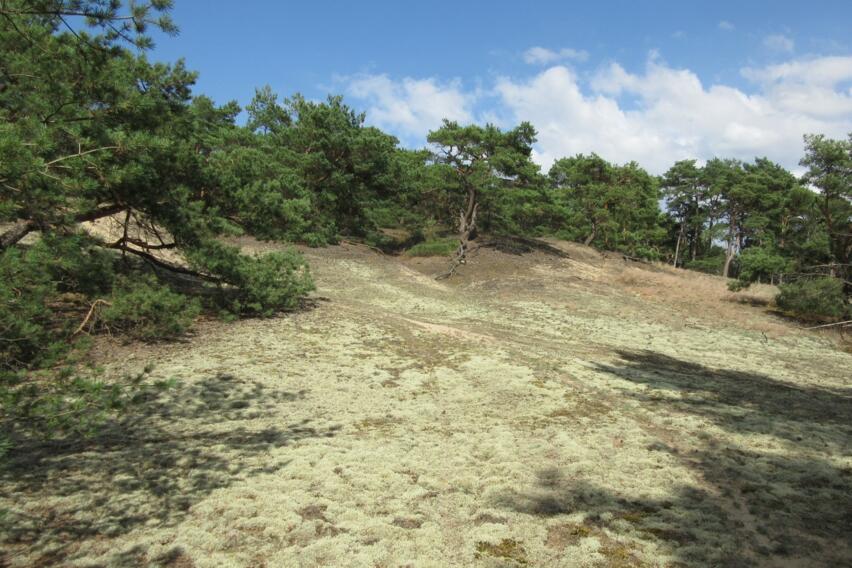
x: 810, y: 87
x: 675, y: 116
x: 779, y: 42
x: 825, y: 71
x: 411, y: 107
x: 726, y: 25
x: 543, y: 56
x: 654, y: 117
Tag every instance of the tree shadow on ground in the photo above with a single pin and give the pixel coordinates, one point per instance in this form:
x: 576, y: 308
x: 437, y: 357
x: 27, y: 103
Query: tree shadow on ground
x: 773, y: 487
x: 806, y: 416
x: 147, y: 468
x: 688, y: 525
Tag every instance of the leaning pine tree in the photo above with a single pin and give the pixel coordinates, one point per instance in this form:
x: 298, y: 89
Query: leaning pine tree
x: 483, y: 160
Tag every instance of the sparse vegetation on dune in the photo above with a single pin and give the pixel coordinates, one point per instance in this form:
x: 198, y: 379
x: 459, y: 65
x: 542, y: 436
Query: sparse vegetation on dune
x: 534, y: 410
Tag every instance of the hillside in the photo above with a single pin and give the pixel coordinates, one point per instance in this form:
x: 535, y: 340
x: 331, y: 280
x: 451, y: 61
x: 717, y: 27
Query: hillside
x: 532, y: 410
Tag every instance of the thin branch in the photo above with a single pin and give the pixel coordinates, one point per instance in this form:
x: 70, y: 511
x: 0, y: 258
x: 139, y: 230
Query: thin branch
x: 89, y: 315
x: 79, y: 154
x: 847, y: 322
x: 140, y: 243
x: 153, y: 260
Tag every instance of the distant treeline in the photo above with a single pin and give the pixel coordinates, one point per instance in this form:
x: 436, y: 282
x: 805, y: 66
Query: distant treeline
x: 92, y: 130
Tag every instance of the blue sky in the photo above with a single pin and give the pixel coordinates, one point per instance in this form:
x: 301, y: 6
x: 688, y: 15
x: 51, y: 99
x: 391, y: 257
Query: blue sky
x: 630, y: 80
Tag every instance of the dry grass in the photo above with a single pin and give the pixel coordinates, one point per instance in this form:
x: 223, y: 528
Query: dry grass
x: 533, y: 411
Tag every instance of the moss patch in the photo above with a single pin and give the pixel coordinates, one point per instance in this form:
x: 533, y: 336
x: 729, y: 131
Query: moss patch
x: 507, y: 549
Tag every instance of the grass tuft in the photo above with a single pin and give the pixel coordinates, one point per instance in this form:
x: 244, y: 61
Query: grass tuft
x: 436, y: 247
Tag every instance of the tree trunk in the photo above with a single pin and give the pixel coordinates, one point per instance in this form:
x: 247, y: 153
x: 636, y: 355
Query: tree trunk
x: 729, y: 254
x: 467, y: 225
x: 694, y: 252
x: 591, y: 236
x: 467, y: 228
x: 677, y: 246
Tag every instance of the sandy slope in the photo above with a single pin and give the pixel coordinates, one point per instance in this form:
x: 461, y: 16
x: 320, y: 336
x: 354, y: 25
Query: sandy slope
x: 533, y: 411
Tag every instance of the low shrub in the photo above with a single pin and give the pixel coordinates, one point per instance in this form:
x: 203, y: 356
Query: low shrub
x: 435, y: 247
x: 255, y: 285
x: 273, y: 282
x: 144, y: 309
x: 708, y: 265
x: 32, y: 283
x: 814, y: 299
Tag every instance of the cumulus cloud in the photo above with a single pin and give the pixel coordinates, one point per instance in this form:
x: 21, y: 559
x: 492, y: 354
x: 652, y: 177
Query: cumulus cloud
x: 779, y: 42
x: 411, y: 107
x: 655, y: 116
x: 726, y: 25
x: 675, y: 116
x: 824, y: 71
x: 543, y: 56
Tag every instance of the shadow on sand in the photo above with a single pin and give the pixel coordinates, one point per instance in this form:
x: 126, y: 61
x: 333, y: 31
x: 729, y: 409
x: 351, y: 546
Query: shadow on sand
x: 790, y: 505
x: 148, y: 468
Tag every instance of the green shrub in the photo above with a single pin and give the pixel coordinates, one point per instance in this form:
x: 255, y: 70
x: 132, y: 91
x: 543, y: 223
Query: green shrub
x: 76, y: 263
x: 436, y: 247
x: 144, y: 309
x: 758, y: 264
x: 25, y: 289
x: 32, y: 280
x: 709, y: 264
x: 260, y: 285
x: 645, y: 251
x: 273, y: 282
x: 818, y: 298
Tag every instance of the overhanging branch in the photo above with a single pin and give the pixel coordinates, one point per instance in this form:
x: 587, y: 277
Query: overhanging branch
x: 153, y: 260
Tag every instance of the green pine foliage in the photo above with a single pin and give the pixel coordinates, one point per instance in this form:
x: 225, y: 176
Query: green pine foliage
x: 820, y: 298
x: 40, y: 287
x: 91, y: 129
x: 29, y: 335
x: 142, y: 308
x: 612, y: 207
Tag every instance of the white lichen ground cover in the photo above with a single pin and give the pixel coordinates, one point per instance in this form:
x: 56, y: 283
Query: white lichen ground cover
x: 533, y: 411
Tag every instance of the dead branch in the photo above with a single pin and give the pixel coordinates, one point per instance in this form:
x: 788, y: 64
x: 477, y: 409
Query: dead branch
x: 140, y: 243
x: 456, y: 263
x: 840, y: 323
x: 91, y: 312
